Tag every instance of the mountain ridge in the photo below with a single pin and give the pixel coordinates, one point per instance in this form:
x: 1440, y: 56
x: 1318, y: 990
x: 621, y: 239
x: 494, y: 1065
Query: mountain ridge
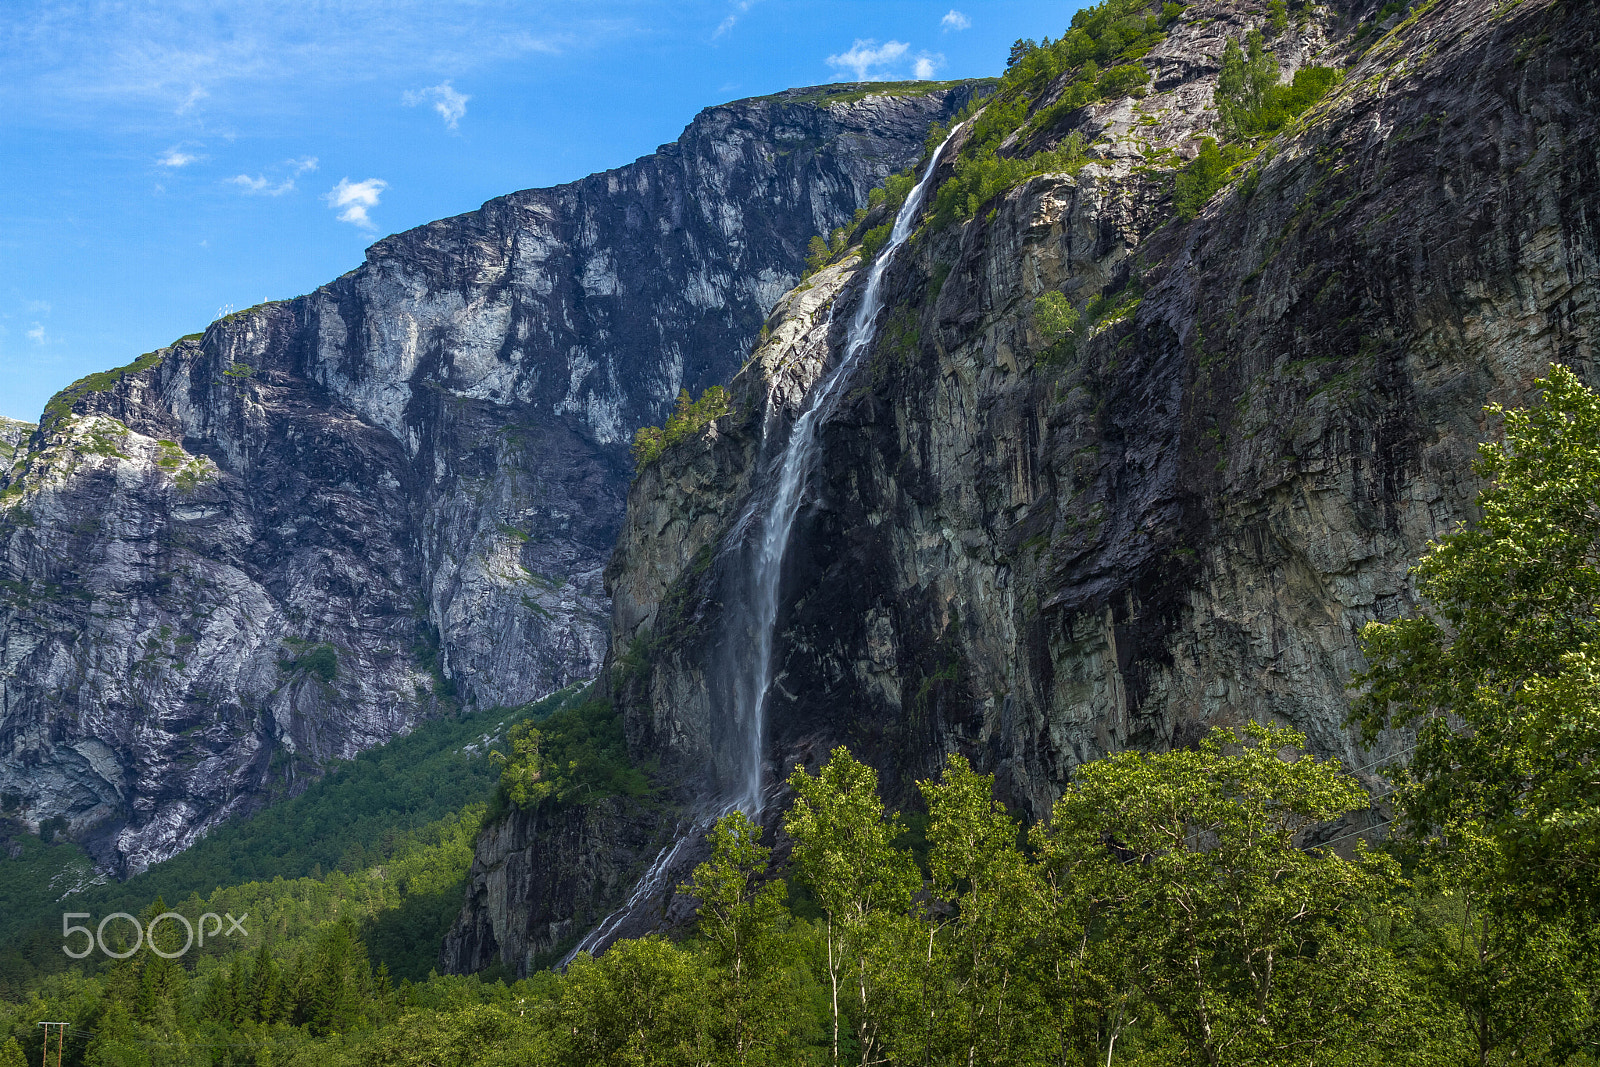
x: 327, y: 518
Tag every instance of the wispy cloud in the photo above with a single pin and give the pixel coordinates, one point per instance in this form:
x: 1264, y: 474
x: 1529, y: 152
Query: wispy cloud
x: 867, y: 59
x: 177, y: 157
x: 739, y: 8
x: 353, y: 199
x: 925, y: 64
x: 87, y: 60
x: 36, y: 335
x: 190, y: 99
x: 450, y: 104
x: 955, y: 20
x: 260, y: 184
x: 303, y: 164
x: 39, y: 307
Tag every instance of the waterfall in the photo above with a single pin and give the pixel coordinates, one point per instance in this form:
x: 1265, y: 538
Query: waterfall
x: 753, y: 683
x: 753, y: 673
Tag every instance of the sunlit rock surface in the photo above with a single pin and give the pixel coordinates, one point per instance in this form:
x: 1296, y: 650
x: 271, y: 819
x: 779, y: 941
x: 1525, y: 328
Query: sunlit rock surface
x: 294, y: 536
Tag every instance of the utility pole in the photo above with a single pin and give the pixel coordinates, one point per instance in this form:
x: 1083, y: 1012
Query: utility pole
x: 61, y: 1039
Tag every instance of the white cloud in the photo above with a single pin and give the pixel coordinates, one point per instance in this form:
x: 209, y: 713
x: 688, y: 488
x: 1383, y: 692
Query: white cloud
x: 739, y: 8
x: 955, y: 20
x: 866, y: 58
x: 303, y: 164
x: 925, y: 64
x: 41, y: 307
x: 177, y: 157
x: 231, y: 65
x: 450, y: 105
x: 36, y: 335
x: 260, y: 184
x: 196, y: 94
x: 352, y: 199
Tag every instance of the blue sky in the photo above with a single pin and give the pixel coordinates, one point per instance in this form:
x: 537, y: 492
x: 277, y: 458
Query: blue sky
x: 165, y: 161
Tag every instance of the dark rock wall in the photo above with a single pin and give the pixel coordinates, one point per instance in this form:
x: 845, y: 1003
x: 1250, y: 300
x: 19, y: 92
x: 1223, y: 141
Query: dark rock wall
x: 1186, y: 522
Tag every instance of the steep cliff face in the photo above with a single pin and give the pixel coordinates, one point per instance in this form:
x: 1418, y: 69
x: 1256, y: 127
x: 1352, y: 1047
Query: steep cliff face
x: 289, y: 538
x: 1036, y: 555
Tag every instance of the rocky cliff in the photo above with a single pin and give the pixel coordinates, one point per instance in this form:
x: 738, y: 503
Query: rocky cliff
x: 290, y: 537
x: 1036, y: 550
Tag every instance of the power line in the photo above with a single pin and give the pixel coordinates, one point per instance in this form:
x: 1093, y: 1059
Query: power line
x: 1384, y: 759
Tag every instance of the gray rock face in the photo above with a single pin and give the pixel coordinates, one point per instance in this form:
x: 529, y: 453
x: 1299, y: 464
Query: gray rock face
x: 294, y: 536
x: 1035, y: 561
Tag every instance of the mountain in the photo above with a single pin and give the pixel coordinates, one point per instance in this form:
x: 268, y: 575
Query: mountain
x: 328, y: 519
x: 1145, y: 429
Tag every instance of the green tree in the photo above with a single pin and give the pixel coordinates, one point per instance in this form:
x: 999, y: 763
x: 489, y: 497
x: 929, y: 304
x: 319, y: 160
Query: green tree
x: 741, y: 919
x: 985, y: 1003
x: 864, y: 884
x: 1250, y: 947
x: 641, y: 1005
x: 1507, y: 986
x: 1500, y: 676
x: 1199, y: 180
x: 1245, y: 83
x: 1057, y: 322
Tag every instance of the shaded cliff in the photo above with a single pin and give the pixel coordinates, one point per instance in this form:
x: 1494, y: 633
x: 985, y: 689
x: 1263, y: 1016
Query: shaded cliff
x: 1036, y: 552
x: 291, y: 537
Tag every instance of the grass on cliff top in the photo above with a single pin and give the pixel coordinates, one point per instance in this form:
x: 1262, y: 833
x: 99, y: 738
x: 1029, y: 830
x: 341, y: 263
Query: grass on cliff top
x: 850, y: 92
x: 60, y: 405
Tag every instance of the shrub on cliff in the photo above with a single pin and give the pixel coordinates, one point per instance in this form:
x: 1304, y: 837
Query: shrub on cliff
x: 690, y: 418
x: 1249, y: 99
x: 1199, y: 181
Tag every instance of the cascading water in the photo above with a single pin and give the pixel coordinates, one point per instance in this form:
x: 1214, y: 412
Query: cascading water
x: 753, y: 672
x: 753, y: 684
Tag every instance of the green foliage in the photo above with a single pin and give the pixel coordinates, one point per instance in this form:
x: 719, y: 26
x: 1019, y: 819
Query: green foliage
x: 688, y: 420
x: 864, y: 886
x: 873, y: 240
x: 851, y: 92
x: 641, y: 1003
x: 1057, y: 322
x: 575, y: 756
x: 1103, y: 34
x: 393, y: 800
x: 58, y: 406
x: 893, y: 192
x: 977, y: 180
x: 34, y: 872
x: 752, y: 959
x: 1249, y: 947
x: 1121, y: 81
x: 1509, y: 987
x: 1278, y: 15
x: 1103, y: 46
x: 1501, y: 678
x: 321, y: 660
x: 1198, y: 181
x: 1250, y: 101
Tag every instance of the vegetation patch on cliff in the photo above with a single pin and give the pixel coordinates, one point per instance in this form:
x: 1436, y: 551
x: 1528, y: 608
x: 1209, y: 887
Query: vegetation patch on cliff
x: 576, y: 755
x: 60, y: 405
x: 689, y: 419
